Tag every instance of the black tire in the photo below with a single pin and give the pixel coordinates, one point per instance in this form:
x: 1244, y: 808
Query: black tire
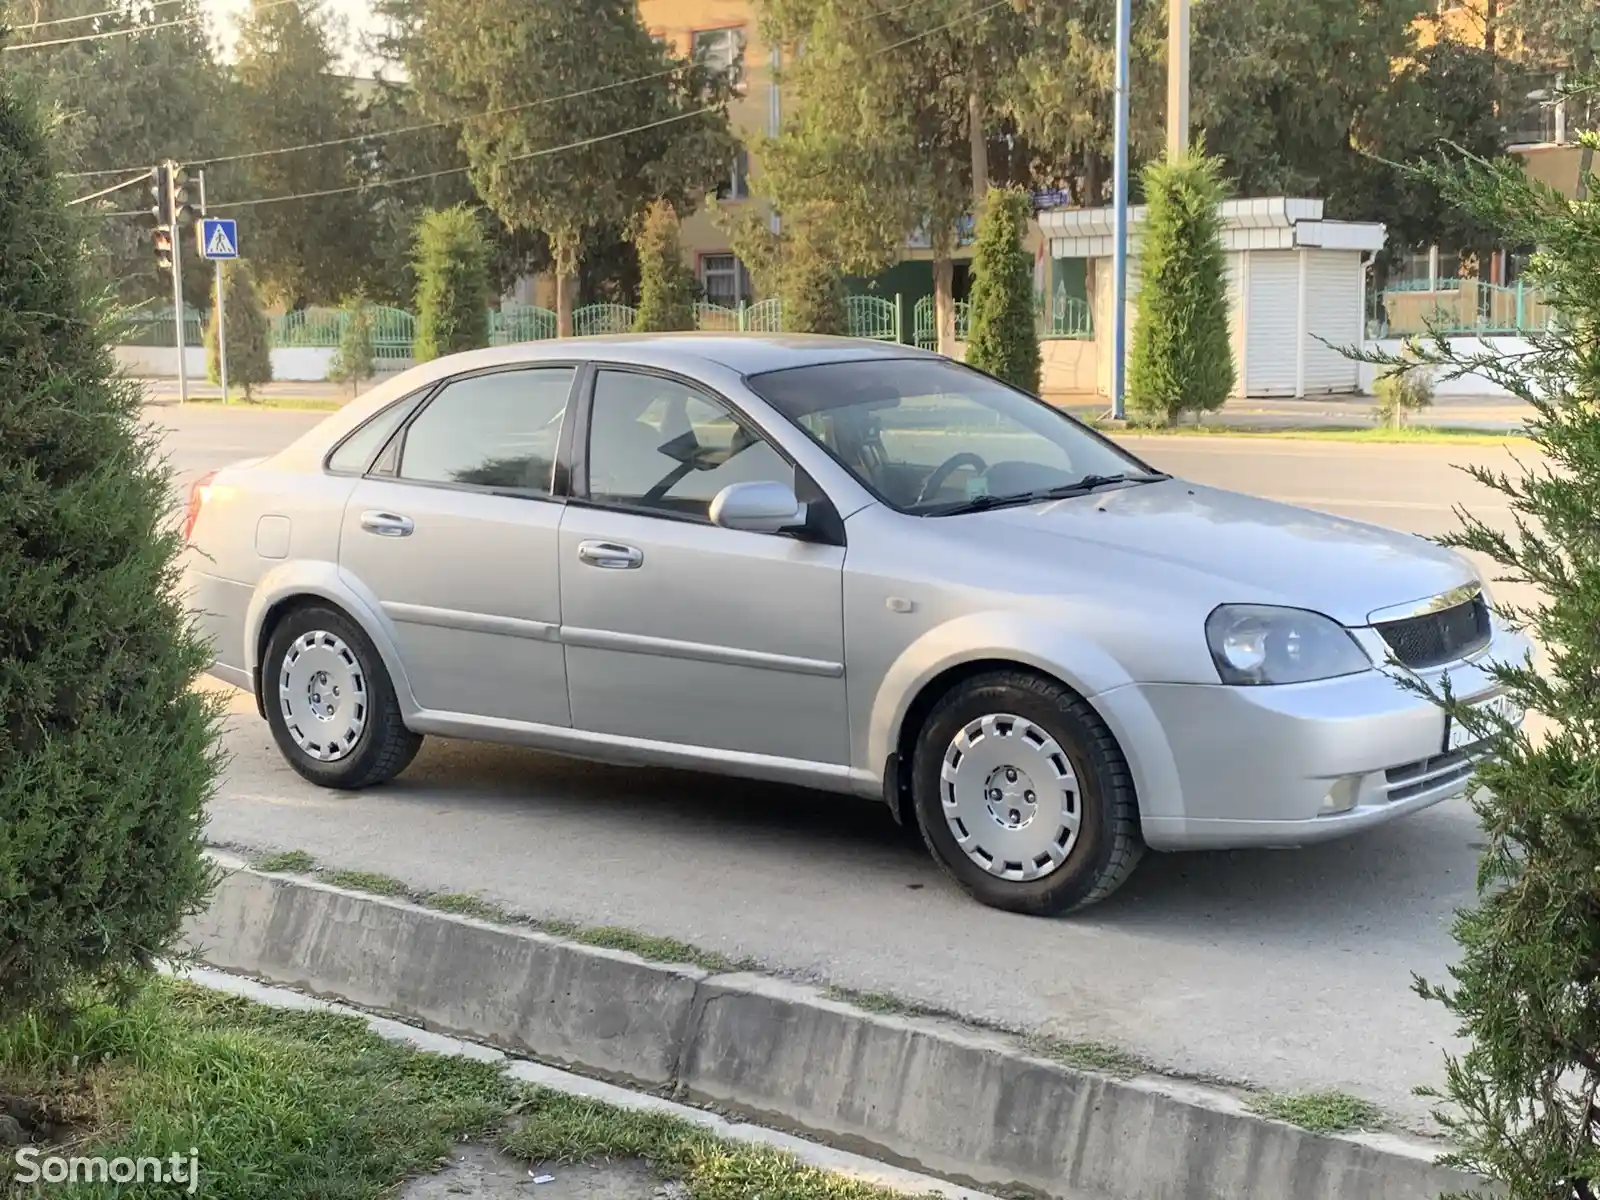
x: 1108, y: 845
x: 384, y: 748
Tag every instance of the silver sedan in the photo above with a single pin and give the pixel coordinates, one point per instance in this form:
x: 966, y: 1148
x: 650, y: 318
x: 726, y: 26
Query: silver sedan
x: 843, y: 564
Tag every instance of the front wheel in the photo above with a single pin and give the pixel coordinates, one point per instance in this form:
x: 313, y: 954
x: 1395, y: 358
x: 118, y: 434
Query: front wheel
x: 330, y: 703
x: 1023, y: 795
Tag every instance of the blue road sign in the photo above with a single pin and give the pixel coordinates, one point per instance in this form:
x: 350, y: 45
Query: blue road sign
x: 219, y: 237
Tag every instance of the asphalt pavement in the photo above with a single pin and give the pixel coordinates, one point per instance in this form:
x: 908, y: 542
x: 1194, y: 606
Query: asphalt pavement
x: 1286, y: 969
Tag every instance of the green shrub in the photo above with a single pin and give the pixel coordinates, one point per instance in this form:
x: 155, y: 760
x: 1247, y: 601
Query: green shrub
x: 667, y: 288
x: 1526, y: 991
x: 248, y: 333
x: 452, y: 266
x: 107, y: 753
x: 355, y: 360
x: 1401, y: 394
x: 1182, y: 358
x: 1004, y: 337
x: 810, y: 283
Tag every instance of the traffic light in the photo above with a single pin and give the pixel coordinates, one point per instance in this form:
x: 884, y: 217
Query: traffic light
x: 164, y: 247
x: 161, y: 193
x: 185, y: 197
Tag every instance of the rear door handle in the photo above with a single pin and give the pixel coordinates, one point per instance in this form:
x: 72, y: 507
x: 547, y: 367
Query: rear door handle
x: 386, y: 524
x: 613, y: 556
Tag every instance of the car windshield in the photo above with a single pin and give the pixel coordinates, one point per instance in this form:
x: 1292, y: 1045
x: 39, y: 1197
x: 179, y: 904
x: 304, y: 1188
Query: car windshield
x: 931, y: 437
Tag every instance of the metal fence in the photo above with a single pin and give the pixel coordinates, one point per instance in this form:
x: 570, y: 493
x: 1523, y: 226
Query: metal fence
x: 1458, y: 306
x: 924, y: 326
x: 394, y: 329
x: 150, y: 325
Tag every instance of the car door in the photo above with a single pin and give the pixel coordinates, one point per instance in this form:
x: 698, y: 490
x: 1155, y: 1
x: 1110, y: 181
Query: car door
x: 455, y: 531
x: 678, y: 630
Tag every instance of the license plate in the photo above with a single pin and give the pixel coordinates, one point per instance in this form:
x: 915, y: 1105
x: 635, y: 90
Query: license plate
x: 1458, y: 735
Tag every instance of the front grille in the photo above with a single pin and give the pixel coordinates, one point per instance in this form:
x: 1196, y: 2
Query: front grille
x: 1430, y: 774
x: 1436, y: 638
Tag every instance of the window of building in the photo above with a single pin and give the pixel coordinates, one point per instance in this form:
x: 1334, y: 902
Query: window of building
x: 658, y: 444
x: 498, y: 430
x: 725, y: 280
x: 720, y: 50
x: 737, y: 185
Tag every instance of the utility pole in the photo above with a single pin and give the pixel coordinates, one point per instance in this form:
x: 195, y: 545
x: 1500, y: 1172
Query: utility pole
x: 1119, y: 201
x: 1177, y: 77
x: 167, y: 191
x: 222, y: 322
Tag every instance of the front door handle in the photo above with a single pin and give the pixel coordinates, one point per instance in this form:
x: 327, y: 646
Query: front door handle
x: 386, y: 524
x: 611, y: 555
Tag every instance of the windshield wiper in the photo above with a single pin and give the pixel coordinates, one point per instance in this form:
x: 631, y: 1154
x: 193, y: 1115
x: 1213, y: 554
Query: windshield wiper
x: 1078, y: 487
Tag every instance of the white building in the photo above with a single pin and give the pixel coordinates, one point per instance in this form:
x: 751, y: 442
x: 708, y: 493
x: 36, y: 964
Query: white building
x: 1296, y: 284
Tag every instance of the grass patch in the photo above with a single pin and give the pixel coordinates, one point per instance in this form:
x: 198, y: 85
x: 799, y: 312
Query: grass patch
x: 657, y: 949
x: 1411, y: 435
x: 555, y: 1128
x: 277, y: 1105
x: 1086, y: 1056
x: 296, y: 1105
x: 886, y: 1003
x: 367, y: 881
x: 1320, y: 1112
x: 287, y: 862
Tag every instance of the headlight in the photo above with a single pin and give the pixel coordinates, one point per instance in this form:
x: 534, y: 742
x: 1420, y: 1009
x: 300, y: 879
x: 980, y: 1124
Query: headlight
x: 1263, y: 644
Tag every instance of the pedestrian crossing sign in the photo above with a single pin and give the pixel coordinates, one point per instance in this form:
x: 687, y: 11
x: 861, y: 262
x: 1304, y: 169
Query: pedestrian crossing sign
x: 218, y: 237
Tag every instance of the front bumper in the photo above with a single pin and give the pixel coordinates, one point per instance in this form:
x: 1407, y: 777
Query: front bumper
x: 1294, y: 765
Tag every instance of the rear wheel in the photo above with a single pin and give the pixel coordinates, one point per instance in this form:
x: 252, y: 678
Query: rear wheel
x: 1023, y: 795
x: 330, y: 703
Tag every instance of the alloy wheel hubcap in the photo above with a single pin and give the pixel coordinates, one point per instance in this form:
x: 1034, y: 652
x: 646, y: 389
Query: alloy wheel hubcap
x: 1010, y: 797
x: 323, y: 692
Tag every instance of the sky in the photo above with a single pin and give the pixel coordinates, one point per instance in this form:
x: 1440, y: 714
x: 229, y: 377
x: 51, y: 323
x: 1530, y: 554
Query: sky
x: 356, y: 15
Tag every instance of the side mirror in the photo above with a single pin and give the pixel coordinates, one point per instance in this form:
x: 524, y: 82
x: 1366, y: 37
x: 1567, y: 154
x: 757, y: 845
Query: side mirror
x: 757, y: 507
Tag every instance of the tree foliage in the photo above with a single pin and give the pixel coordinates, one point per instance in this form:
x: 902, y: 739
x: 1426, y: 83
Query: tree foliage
x: 452, y: 266
x: 290, y: 93
x: 129, y: 101
x: 1004, y: 338
x: 1527, y: 988
x: 1182, y: 357
x: 893, y: 124
x: 107, y: 752
x: 667, y: 288
x: 547, y: 158
x: 810, y: 284
x: 247, y: 333
x: 355, y: 361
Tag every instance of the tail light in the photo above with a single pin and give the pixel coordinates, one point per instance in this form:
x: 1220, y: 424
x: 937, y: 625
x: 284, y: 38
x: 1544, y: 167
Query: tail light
x: 197, y: 498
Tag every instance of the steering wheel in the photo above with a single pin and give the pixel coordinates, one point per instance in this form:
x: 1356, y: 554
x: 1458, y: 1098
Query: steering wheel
x: 935, y: 481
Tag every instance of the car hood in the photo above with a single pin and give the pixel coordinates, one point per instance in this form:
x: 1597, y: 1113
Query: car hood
x: 1252, y: 550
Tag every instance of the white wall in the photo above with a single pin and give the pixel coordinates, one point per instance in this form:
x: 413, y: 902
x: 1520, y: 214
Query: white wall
x: 1468, y: 385
x: 160, y: 362
x: 288, y: 362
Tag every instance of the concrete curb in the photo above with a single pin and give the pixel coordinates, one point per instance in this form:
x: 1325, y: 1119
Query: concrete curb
x: 932, y: 1095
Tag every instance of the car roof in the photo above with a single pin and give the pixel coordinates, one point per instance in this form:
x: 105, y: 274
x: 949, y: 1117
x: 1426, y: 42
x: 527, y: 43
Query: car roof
x: 746, y: 353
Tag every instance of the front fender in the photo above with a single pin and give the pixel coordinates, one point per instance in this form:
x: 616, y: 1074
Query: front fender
x: 324, y: 580
x: 1045, y: 646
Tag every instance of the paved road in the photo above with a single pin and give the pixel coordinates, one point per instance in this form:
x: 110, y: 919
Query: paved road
x: 1287, y: 969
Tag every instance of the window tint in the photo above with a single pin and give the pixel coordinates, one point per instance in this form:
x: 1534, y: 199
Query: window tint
x: 926, y: 433
x: 498, y: 430
x: 355, y: 453
x: 655, y: 443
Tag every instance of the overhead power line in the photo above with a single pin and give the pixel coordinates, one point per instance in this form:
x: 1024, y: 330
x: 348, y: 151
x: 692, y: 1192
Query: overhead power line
x: 105, y: 12
x: 129, y: 31
x: 141, y: 177
x: 380, y: 134
x: 387, y: 183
